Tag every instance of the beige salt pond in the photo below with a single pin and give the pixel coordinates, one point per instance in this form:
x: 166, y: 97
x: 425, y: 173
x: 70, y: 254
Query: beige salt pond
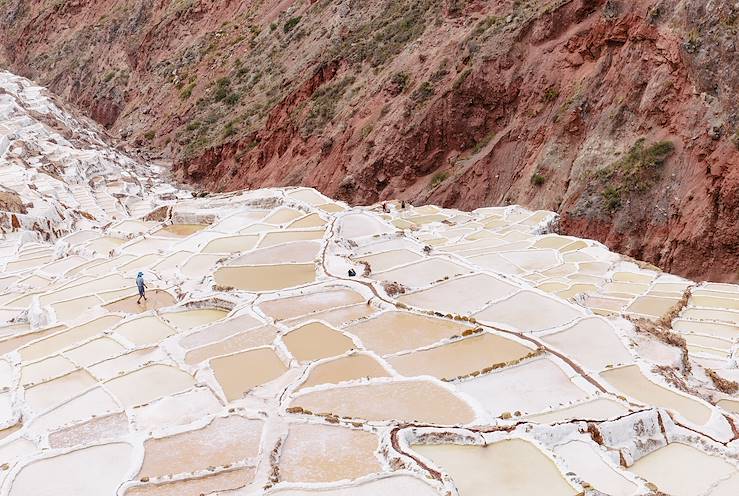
x: 461, y: 357
x: 325, y: 453
x: 189, y: 319
x: 295, y: 252
x: 218, y: 330
x: 265, y: 277
x: 225, y: 480
x: 278, y: 237
x: 66, y: 338
x: 348, y: 368
x: 513, y: 467
x: 253, y: 338
x: 322, y: 299
x: 155, y: 299
x: 143, y: 331
x: 180, y: 230
x: 224, y: 441
x: 395, y: 331
x: 231, y: 244
x: 239, y: 373
x: 632, y: 382
x: 146, y: 384
x: 681, y: 470
x: 400, y: 400
x: 316, y: 340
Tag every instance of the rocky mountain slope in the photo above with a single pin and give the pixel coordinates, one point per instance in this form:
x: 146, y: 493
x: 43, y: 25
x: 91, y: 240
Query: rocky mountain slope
x: 622, y: 116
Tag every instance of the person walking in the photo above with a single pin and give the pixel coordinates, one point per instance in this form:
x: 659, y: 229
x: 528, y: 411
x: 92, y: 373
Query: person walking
x: 142, y: 287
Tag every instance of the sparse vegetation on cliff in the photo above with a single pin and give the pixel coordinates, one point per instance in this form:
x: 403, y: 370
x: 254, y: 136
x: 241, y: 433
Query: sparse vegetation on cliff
x: 637, y: 172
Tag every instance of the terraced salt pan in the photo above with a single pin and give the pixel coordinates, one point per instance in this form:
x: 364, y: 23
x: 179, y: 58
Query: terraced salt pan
x: 178, y: 409
x: 389, y: 259
x: 528, y: 311
x: 463, y: 295
x: 597, y: 409
x: 393, y: 331
x: 239, y: 373
x: 224, y: 441
x: 422, y: 273
x: 155, y: 299
x: 265, y: 277
x: 253, y: 338
x: 583, y: 459
x: 161, y: 380
x: 632, y: 382
x: 394, y: 485
x: 180, y: 230
x: 231, y: 244
x: 279, y: 237
x: 324, y: 453
x: 461, y: 357
x: 144, y: 331
x: 221, y: 481
x: 337, y: 317
x: 347, y: 368
x: 406, y: 400
x: 477, y: 469
x: 189, y: 319
x: 219, y: 330
x: 295, y: 306
x: 530, y: 387
x: 295, y: 252
x: 691, y: 470
x: 592, y: 342
x: 58, y: 341
x: 110, y: 463
x: 316, y: 340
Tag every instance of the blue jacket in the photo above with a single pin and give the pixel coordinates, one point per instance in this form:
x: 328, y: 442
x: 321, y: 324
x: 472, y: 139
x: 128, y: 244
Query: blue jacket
x: 140, y: 282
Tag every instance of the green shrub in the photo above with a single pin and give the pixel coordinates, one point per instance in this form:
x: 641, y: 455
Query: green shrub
x: 423, y: 92
x: 400, y: 79
x: 187, y: 91
x: 290, y: 24
x: 637, y: 172
x: 537, y: 179
x: 439, y: 178
x: 611, y: 198
x: 461, y: 78
x: 149, y: 135
x: 110, y: 75
x: 550, y: 94
x: 192, y: 126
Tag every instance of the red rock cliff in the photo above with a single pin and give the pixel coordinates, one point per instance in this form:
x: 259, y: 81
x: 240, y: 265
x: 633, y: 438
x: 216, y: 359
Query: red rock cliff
x: 620, y: 115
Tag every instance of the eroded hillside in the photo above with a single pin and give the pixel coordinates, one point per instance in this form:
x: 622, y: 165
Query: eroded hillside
x: 622, y: 116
